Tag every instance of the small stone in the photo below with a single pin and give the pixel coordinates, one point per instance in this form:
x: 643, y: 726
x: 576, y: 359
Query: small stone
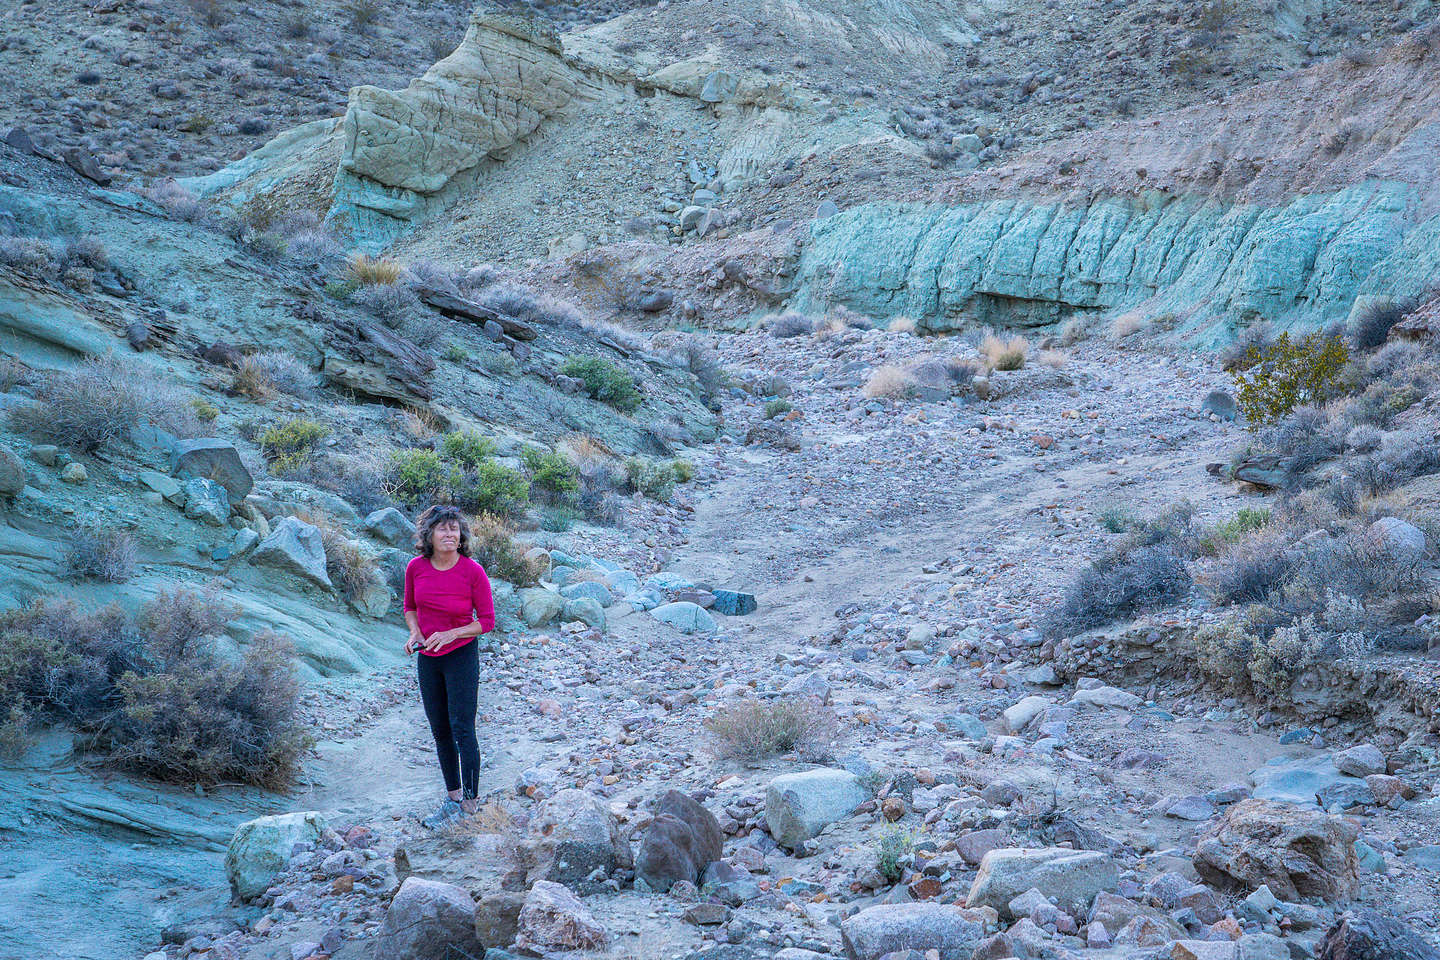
x: 74, y: 473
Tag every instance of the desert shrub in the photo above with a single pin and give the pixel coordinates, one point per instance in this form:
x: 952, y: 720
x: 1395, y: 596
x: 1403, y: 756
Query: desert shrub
x: 558, y: 518
x: 552, y: 473
x: 146, y: 695
x: 892, y: 853
x: 101, y: 553
x: 100, y: 401
x: 287, y: 445
x: 604, y: 381
x: 363, y: 13
x: 348, y: 563
x: 1371, y: 326
x: 1249, y: 655
x: 496, y: 489
x: 522, y: 303
x: 1306, y: 436
x: 597, y: 499
x: 1401, y: 457
x: 656, y: 479
x: 776, y: 408
x: 900, y: 325
x: 1004, y: 354
x: 418, y: 478
x: 1115, y: 518
x: 493, y: 546
x: 359, y: 480
x: 456, y: 352
x: 393, y: 304
x: 1251, y: 569
x: 693, y: 354
x: 1289, y: 373
x: 1246, y: 521
x: 314, y: 248
x: 1249, y: 343
x: 13, y: 373
x: 369, y: 271
x: 177, y: 202
x: 210, y: 720
x: 260, y: 375
x: 467, y: 448
x: 751, y: 730
x: 204, y: 410
x: 791, y: 324
x: 888, y: 381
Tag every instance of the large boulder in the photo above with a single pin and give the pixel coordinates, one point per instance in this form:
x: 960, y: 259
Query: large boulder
x: 1368, y: 935
x: 1072, y: 878
x: 678, y: 844
x: 213, y: 459
x: 539, y: 606
x: 1303, y: 781
x: 1296, y: 852
x: 425, y: 920
x: 891, y: 927
x: 497, y: 916
x: 12, y: 474
x: 260, y: 849
x: 553, y: 918
x: 685, y: 616
x: 295, y: 547
x: 389, y: 525
x: 572, y: 835
x: 800, y: 805
x: 588, y: 589
x: 585, y: 609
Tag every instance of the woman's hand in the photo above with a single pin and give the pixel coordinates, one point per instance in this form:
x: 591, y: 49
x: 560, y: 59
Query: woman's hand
x: 438, y: 639
x: 416, y: 641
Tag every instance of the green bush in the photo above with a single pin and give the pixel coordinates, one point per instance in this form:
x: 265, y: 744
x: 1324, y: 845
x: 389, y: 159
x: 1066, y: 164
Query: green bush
x: 421, y: 477
x: 493, y: 488
x: 288, y: 445
x: 683, y: 470
x: 467, y: 447
x: 558, y: 519
x: 418, y: 478
x: 553, y: 474
x: 652, y: 478
x: 604, y: 381
x: 777, y: 407
x: 492, y: 544
x: 1281, y: 376
x: 892, y: 853
x: 1247, y: 520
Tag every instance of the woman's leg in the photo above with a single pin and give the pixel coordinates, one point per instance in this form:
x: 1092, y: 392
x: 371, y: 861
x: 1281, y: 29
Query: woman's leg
x: 462, y: 685
x: 434, y: 696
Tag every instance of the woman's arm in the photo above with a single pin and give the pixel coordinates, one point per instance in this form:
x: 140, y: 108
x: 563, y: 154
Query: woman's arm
x: 484, y: 621
x: 412, y: 615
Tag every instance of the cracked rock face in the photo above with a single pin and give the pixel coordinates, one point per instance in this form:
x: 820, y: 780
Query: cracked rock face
x: 498, y: 86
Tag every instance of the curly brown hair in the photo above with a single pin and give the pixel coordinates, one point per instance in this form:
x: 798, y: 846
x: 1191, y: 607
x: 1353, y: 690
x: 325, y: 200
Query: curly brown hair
x: 426, y: 523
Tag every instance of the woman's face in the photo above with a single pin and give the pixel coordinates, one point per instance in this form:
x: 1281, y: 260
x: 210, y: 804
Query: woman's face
x: 446, y: 537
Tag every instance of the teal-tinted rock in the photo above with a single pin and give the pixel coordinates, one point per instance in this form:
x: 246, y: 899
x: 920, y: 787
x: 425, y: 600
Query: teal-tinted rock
x: 1299, y: 264
x: 539, y: 606
x: 733, y: 603
x: 206, y: 501
x: 585, y: 609
x: 260, y: 849
x: 588, y: 588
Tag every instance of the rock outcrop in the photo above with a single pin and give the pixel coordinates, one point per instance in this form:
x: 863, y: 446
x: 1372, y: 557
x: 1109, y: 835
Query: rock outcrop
x: 260, y: 849
x: 1296, y: 852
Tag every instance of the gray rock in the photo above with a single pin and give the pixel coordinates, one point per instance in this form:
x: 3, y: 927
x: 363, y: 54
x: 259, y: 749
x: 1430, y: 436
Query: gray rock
x: 1368, y: 935
x: 1220, y: 403
x: 691, y: 216
x: 539, y: 606
x: 47, y: 454
x: 826, y: 210
x: 391, y: 526
x: 553, y: 918
x: 682, y: 840
x: 967, y: 143
x: 168, y: 487
x: 588, y: 588
x: 1300, y: 781
x: 966, y: 725
x: 718, y: 87
x: 296, y: 547
x: 889, y: 928
x: 1071, y: 877
x: 685, y: 616
x: 425, y: 920
x: 1426, y: 856
x: 585, y: 609
x: 1360, y: 760
x: 243, y: 540
x: 572, y: 835
x: 213, y: 459
x: 732, y: 884
x: 12, y: 473
x: 1402, y: 542
x: 74, y: 473
x: 1191, y: 808
x: 1261, y: 946
x: 799, y: 805
x: 260, y: 849
x: 206, y: 501
x: 1018, y: 716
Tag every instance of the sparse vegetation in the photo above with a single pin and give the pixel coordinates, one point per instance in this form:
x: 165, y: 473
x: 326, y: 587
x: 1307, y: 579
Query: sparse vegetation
x: 604, y: 381
x: 751, y: 729
x: 1004, y: 354
x: 101, y: 553
x: 369, y: 271
x: 552, y: 476
x: 147, y: 693
x: 463, y: 472
x: 492, y: 544
x: 786, y: 325
x: 888, y: 381
x: 262, y: 375
x: 100, y: 402
x: 892, y: 853
x: 1371, y: 326
x: 285, y: 446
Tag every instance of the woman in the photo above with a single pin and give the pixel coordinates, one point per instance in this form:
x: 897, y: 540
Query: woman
x: 448, y: 605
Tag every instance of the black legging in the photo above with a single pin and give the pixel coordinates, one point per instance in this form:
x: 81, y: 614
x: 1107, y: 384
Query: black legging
x: 449, y: 685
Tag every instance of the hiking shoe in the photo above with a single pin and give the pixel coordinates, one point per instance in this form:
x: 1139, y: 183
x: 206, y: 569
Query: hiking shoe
x: 448, y: 813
